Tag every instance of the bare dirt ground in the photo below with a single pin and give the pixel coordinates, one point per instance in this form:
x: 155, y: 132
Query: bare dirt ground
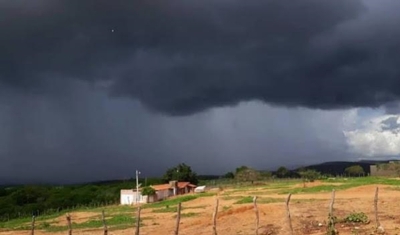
x: 308, y: 216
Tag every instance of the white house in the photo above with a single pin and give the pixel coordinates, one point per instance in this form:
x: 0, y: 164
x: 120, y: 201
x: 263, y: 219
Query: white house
x: 128, y: 197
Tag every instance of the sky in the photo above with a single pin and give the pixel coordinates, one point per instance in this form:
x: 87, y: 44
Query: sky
x: 93, y: 90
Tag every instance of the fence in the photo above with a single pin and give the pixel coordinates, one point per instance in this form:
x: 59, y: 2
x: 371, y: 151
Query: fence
x: 331, y: 230
x: 18, y: 214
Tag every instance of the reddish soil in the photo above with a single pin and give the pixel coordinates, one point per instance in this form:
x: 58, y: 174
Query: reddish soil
x: 308, y: 216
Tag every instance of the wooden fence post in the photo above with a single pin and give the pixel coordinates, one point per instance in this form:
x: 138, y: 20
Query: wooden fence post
x: 178, y: 218
x: 379, y: 227
x: 288, y: 214
x: 215, y: 216
x: 257, y: 214
x: 33, y: 225
x: 376, y: 207
x: 69, y: 224
x: 104, y: 222
x: 138, y: 221
x: 331, y: 218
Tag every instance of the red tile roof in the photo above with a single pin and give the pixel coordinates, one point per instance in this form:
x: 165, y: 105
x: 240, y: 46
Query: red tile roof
x: 185, y: 184
x: 160, y: 187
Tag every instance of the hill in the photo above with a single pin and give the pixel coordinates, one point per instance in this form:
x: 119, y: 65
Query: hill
x: 337, y: 168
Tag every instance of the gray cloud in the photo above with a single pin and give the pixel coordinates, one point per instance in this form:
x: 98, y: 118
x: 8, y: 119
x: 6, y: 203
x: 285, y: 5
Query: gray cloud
x: 182, y: 57
x: 78, y: 79
x: 87, y: 136
x: 390, y: 124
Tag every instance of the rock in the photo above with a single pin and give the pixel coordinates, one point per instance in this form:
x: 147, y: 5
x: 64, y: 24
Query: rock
x: 320, y: 225
x: 356, y: 228
x: 380, y: 230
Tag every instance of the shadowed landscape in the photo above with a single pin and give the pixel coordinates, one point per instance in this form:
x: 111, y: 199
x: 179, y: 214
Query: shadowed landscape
x: 311, y: 194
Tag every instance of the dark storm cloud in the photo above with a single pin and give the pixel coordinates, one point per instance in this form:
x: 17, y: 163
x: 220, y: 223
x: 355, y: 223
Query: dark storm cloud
x: 86, y: 136
x: 182, y: 57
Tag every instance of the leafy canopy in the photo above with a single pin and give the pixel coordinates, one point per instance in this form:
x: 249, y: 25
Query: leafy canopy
x: 247, y: 174
x: 310, y: 175
x: 148, y: 191
x: 355, y: 170
x: 282, y: 172
x: 181, y: 172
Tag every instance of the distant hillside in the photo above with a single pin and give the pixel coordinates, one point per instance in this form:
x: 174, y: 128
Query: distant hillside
x: 337, y: 168
x: 208, y: 177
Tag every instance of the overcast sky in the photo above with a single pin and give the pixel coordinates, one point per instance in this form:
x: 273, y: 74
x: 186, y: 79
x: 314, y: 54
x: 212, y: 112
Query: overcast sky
x: 93, y: 90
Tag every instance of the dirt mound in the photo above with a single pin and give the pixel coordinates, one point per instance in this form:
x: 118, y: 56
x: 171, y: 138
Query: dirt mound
x: 269, y: 229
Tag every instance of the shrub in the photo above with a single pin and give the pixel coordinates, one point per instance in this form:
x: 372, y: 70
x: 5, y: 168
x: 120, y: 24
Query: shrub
x: 148, y: 191
x: 354, y: 217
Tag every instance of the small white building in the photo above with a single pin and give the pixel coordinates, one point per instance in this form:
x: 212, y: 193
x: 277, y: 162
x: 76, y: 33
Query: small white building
x: 128, y: 197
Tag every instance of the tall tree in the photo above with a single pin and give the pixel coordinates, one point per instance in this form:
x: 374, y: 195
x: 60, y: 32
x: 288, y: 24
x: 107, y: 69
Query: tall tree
x: 247, y: 174
x: 181, y: 172
x: 241, y: 168
x: 282, y: 172
x: 355, y: 170
x: 229, y: 175
x: 309, y: 175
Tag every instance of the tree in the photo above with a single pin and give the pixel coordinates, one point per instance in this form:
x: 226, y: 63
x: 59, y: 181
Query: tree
x: 248, y: 174
x: 282, y: 172
x: 181, y: 172
x: 148, y: 191
x: 242, y: 168
x: 229, y: 175
x: 355, y: 170
x: 266, y: 174
x: 309, y: 175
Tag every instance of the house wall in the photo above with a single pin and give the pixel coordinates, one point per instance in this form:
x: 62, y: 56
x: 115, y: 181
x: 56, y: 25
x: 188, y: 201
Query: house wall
x: 182, y: 191
x: 185, y: 190
x: 162, y: 194
x: 388, y: 171
x: 128, y: 197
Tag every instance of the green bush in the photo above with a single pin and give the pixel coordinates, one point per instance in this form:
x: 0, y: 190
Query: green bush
x: 355, y: 217
x: 148, y: 191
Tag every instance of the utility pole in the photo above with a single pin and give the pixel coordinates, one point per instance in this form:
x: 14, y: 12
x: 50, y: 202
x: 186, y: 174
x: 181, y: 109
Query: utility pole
x: 137, y: 186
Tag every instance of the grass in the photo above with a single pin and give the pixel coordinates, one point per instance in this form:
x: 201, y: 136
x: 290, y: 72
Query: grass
x: 346, y: 184
x: 166, y: 210
x: 315, y: 189
x: 228, y: 198
x: 266, y: 200
x: 113, y: 222
x: 25, y: 222
x: 188, y: 215
x: 174, y: 209
x: 366, y: 181
x: 113, y: 209
x: 175, y: 201
x: 119, y: 217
